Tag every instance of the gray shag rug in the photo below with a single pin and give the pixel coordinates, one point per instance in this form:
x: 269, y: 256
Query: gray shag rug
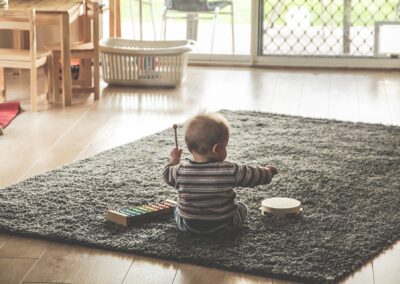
x: 347, y: 176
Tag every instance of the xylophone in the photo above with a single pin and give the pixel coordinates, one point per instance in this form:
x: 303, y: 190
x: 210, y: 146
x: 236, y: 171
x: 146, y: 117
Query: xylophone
x: 128, y: 216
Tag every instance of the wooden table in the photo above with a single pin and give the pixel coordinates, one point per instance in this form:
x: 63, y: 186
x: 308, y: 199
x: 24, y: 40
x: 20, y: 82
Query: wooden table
x: 54, y: 12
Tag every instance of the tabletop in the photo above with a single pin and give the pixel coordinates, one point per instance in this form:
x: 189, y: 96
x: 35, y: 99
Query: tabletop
x: 45, y: 6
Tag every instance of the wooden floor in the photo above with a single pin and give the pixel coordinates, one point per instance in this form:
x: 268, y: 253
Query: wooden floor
x: 38, y: 142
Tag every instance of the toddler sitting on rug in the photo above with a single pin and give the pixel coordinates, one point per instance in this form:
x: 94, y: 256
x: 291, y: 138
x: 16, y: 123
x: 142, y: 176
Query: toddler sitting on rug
x: 205, y: 183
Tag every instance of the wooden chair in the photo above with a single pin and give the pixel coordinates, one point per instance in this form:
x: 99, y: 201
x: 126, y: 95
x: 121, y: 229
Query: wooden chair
x: 20, y: 58
x: 132, y: 15
x: 2, y: 83
x: 87, y: 51
x: 195, y: 8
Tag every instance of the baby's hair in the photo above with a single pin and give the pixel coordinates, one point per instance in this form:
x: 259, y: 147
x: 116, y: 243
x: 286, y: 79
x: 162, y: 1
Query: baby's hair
x: 205, y: 130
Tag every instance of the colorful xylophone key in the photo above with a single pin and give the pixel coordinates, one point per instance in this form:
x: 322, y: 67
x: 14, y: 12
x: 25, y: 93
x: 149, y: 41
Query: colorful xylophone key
x: 128, y: 216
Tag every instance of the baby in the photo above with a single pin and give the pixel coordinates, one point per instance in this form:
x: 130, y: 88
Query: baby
x: 205, y: 183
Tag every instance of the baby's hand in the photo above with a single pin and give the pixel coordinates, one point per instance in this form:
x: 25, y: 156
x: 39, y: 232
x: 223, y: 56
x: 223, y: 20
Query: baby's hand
x: 176, y: 155
x: 272, y: 169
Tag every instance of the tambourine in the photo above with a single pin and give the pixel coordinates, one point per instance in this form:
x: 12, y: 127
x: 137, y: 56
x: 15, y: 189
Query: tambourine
x: 281, y: 207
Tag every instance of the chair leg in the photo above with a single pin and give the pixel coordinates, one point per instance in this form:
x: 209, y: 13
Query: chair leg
x: 56, y: 78
x: 85, y: 72
x: 132, y: 17
x: 34, y: 91
x: 233, y: 29
x: 96, y: 77
x: 152, y: 19
x: 2, y: 84
x: 50, y: 88
x: 17, y: 35
x: 164, y: 24
x: 89, y: 72
x: 216, y: 12
x: 47, y: 69
x: 82, y: 77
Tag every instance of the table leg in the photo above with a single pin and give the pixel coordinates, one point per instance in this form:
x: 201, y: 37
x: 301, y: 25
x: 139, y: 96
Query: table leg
x: 141, y: 19
x: 66, y: 60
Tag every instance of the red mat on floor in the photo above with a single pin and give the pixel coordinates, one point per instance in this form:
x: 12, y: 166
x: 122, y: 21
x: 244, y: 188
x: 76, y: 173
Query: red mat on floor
x: 8, y: 111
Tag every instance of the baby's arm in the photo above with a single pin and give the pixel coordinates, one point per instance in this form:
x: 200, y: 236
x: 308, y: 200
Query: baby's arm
x: 272, y: 169
x: 250, y: 176
x: 175, y: 156
x: 170, y: 170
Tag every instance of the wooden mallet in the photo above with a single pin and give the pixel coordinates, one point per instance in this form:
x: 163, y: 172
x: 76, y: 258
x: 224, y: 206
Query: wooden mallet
x: 176, y: 135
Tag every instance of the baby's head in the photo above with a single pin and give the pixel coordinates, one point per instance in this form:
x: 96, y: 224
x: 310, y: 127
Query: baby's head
x: 207, y: 135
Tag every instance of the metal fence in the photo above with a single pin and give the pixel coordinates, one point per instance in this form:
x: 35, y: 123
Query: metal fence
x: 365, y: 28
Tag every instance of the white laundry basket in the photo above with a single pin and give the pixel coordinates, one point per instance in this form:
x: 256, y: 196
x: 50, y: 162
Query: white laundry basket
x: 144, y: 63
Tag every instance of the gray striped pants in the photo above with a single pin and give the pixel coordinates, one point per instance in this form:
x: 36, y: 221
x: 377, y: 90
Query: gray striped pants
x: 229, y: 227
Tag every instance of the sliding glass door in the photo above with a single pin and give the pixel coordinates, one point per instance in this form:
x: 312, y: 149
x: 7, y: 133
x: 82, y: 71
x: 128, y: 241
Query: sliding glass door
x: 322, y: 32
x: 326, y: 33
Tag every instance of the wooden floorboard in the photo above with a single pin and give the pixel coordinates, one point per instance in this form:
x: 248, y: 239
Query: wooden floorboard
x: 37, y: 142
x: 13, y: 270
x: 58, y: 264
x: 102, y: 267
x: 21, y: 247
x: 151, y: 271
x: 193, y: 274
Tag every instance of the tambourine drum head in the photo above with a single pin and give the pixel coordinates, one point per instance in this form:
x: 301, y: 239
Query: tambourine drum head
x: 281, y: 205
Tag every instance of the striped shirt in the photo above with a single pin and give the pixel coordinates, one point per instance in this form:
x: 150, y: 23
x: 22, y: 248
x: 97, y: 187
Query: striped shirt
x: 205, y: 190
